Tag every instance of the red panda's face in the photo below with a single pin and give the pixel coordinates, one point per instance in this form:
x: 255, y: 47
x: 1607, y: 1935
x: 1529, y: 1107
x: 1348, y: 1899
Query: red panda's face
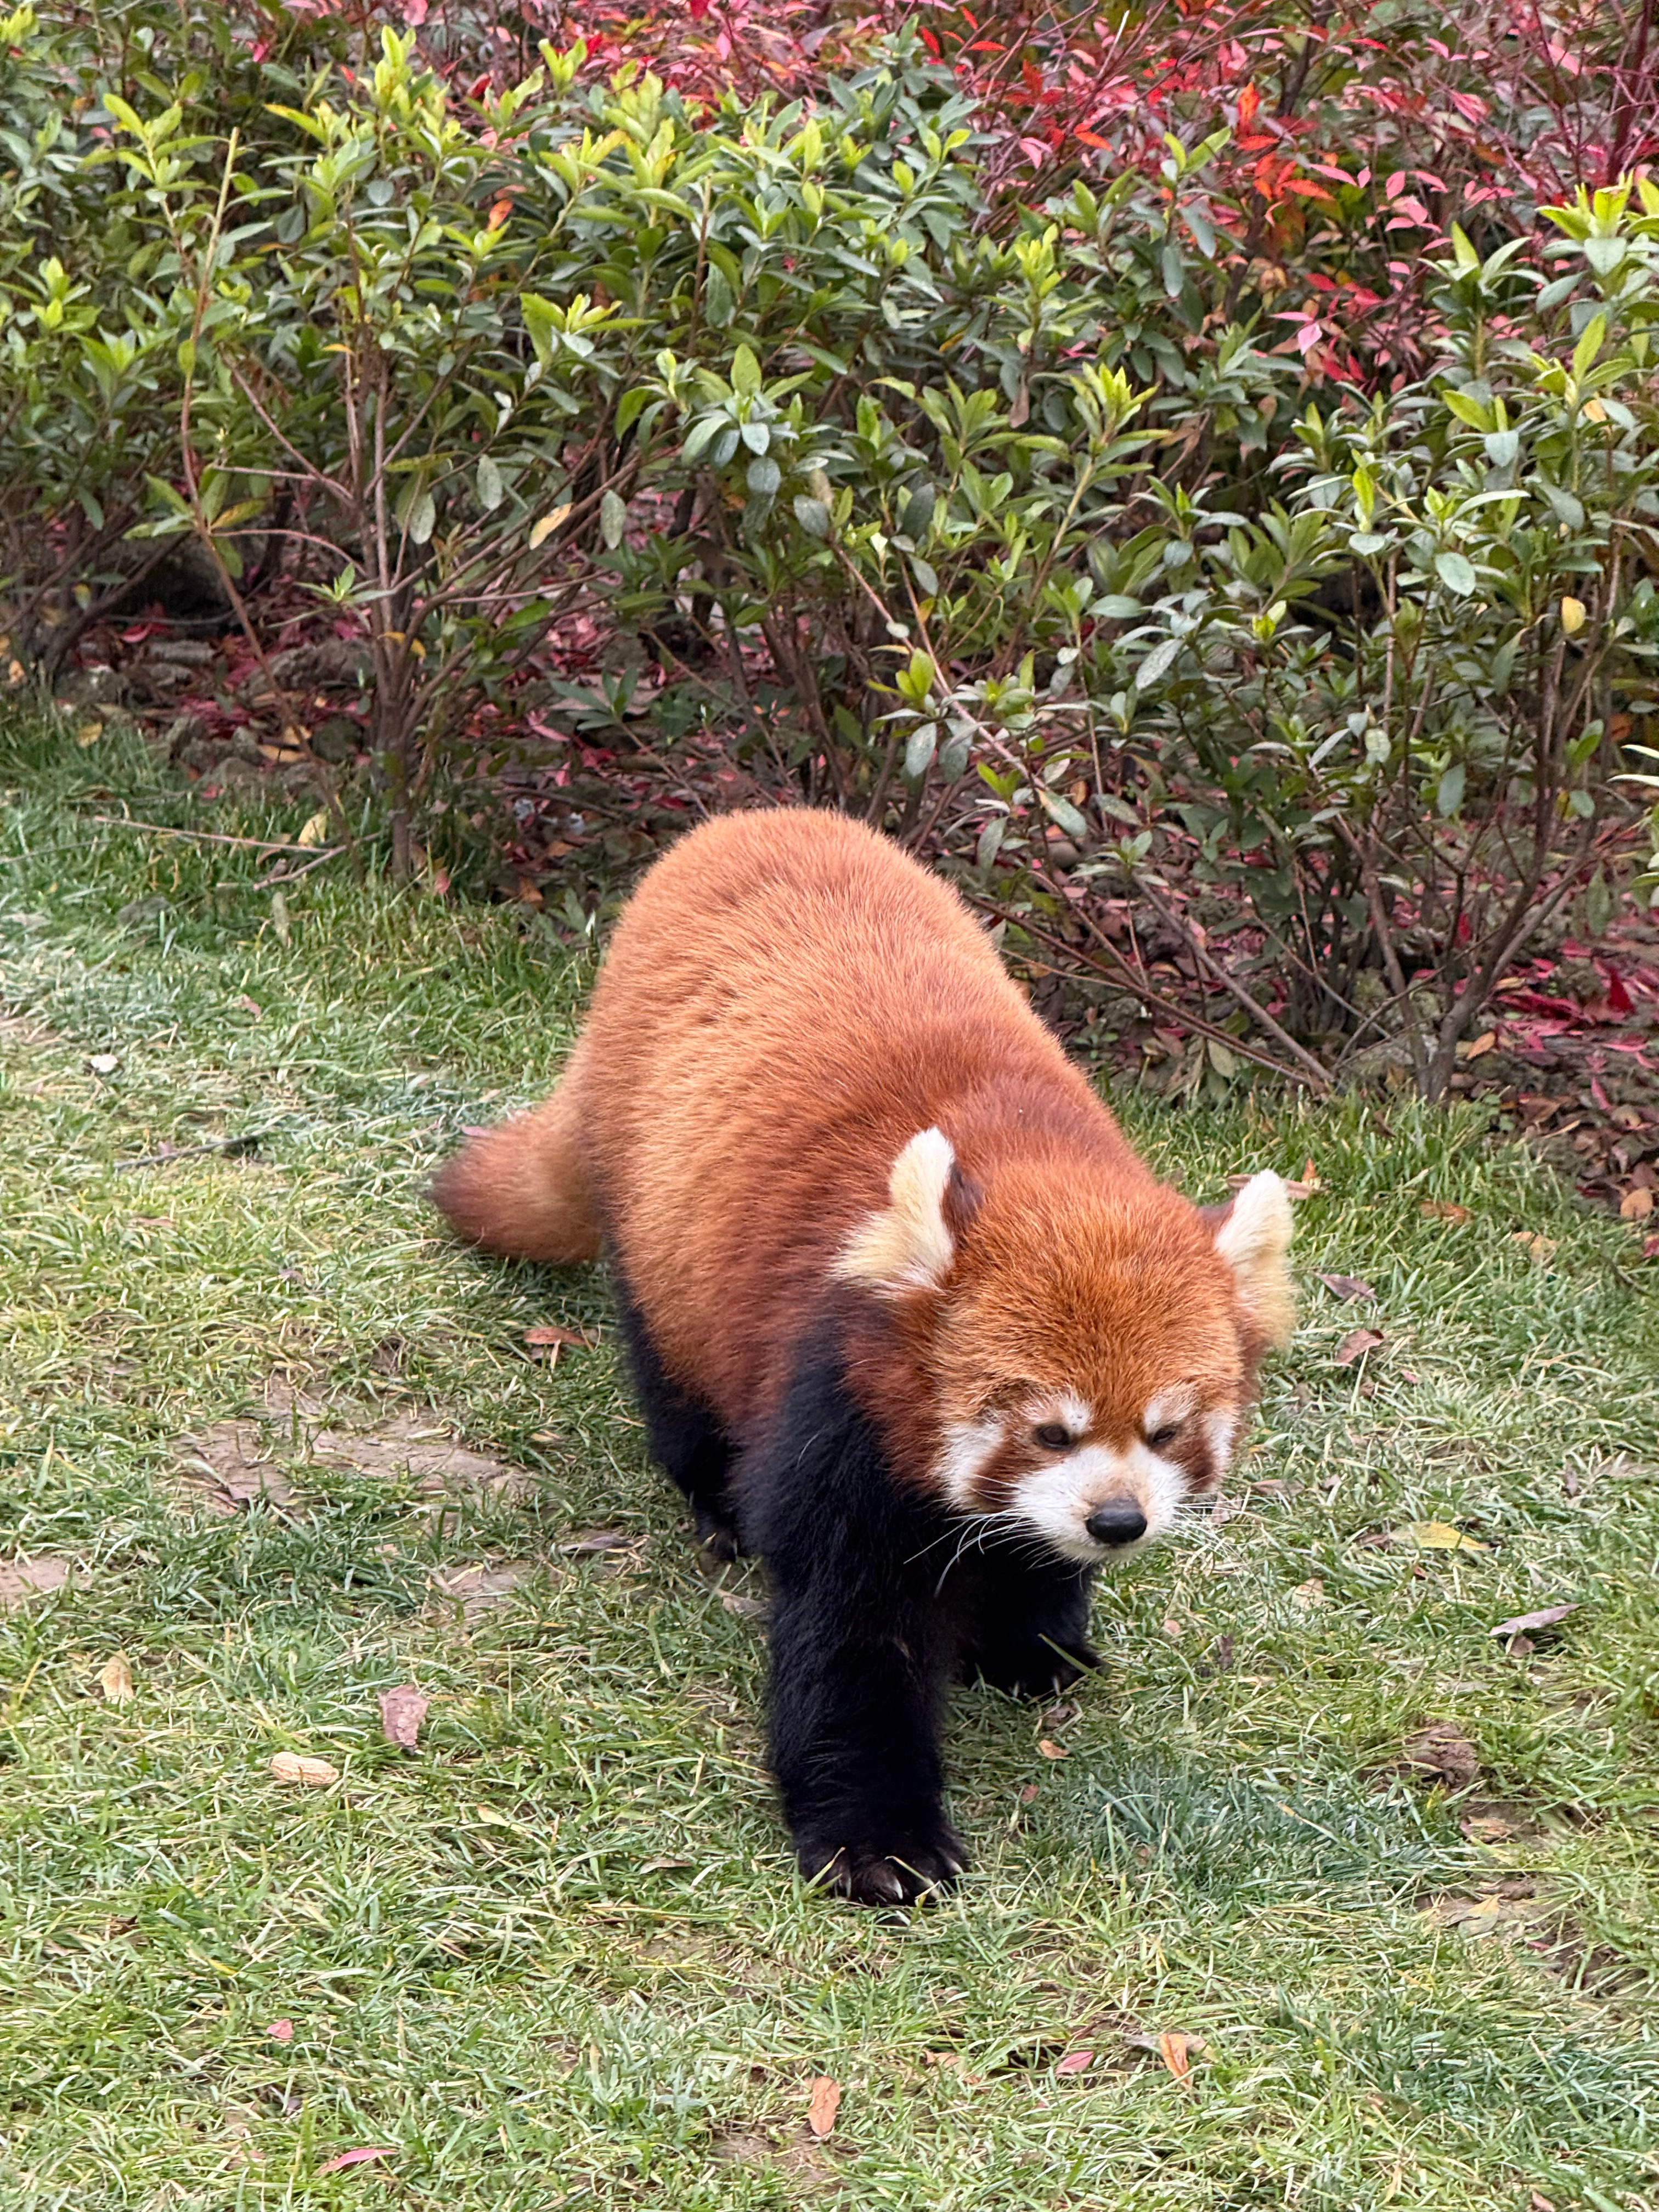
x: 1092, y: 1350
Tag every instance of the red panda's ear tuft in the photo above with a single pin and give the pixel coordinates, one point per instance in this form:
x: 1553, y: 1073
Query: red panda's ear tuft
x: 1253, y: 1237
x: 910, y: 1244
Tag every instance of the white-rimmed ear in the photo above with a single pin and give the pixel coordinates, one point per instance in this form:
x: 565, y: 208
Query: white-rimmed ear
x: 1253, y: 1237
x: 908, y: 1245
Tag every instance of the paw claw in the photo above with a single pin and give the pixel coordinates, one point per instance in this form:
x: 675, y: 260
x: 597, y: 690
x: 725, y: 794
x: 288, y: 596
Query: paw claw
x: 903, y: 1875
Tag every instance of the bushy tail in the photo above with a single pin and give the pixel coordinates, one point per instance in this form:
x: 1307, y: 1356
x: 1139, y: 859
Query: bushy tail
x: 523, y: 1188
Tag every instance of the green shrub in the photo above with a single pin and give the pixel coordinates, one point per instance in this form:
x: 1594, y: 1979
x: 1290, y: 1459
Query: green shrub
x: 1021, y: 541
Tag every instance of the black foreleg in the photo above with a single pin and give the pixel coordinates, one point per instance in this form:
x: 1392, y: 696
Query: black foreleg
x: 862, y: 1651
x: 1029, y: 1622
x: 686, y: 1439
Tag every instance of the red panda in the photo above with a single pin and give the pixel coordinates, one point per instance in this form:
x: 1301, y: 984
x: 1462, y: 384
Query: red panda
x: 908, y: 1316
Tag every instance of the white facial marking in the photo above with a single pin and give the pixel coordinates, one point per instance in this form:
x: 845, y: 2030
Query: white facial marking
x: 1058, y: 1500
x: 1220, y: 1428
x: 908, y: 1246
x: 1168, y: 1408
x: 968, y: 1451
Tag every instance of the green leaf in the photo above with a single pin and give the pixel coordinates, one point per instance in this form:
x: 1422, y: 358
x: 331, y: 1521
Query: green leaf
x: 757, y: 436
x: 1468, y: 408
x: 1115, y: 606
x: 919, y: 750
x: 1502, y: 446
x: 702, y: 435
x: 422, y: 519
x: 1157, y: 663
x: 1061, y: 810
x: 812, y: 515
x: 629, y: 408
x: 925, y: 574
x: 1584, y: 353
x: 1604, y: 254
x: 718, y: 304
x: 917, y: 516
x: 765, y: 477
x: 1367, y: 542
x: 1450, y: 796
x: 491, y: 490
x: 613, y: 518
x: 745, y: 372
x: 1455, y: 572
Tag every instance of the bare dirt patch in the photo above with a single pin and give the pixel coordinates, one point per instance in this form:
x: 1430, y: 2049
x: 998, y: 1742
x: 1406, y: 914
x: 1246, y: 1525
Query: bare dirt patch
x: 417, y: 1448
x: 229, y: 1465
x: 23, y: 1579
x: 477, y: 1587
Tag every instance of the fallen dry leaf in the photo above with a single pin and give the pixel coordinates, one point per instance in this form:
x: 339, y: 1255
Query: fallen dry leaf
x: 1650, y: 1248
x: 1542, y: 1248
x: 826, y: 2103
x: 1444, y: 1209
x: 115, y: 1681
x: 597, y: 1539
x: 1028, y: 1795
x: 1308, y: 1594
x: 1172, y: 2049
x: 1482, y: 1044
x: 280, y: 2031
x: 362, y: 2156
x: 1075, y: 2061
x: 228, y: 1468
x: 295, y: 1767
x: 1546, y: 1617
x: 1050, y: 1749
x: 1347, y: 1286
x: 315, y: 828
x: 1174, y: 1628
x: 1636, y: 1204
x: 103, y: 1063
x: 402, y: 1712
x: 749, y: 1608
x: 22, y: 1579
x: 1443, y: 1750
x: 1356, y: 1344
x: 1438, y: 1536
x: 547, y: 1332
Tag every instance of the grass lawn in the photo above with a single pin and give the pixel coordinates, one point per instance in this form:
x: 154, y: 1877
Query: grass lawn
x: 557, y: 1954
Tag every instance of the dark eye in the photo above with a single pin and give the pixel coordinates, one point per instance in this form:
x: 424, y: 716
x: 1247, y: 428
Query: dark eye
x: 1052, y: 1437
x: 1166, y: 1435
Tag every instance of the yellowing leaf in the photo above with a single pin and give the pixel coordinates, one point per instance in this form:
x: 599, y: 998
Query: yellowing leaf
x: 1572, y: 615
x: 88, y: 733
x: 315, y: 829
x: 549, y: 523
x: 1440, y: 1536
x: 115, y: 1681
x: 295, y: 1767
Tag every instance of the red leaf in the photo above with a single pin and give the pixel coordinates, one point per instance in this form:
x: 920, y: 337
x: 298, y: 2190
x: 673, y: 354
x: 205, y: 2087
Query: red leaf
x: 549, y: 1333
x: 280, y: 2031
x: 362, y: 2156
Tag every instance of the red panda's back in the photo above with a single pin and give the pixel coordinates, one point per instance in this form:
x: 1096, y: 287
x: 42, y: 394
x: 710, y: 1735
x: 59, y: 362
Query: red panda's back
x: 787, y: 1000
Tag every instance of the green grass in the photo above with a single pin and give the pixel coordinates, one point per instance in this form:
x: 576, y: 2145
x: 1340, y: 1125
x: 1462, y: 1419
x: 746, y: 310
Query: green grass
x: 559, y: 1955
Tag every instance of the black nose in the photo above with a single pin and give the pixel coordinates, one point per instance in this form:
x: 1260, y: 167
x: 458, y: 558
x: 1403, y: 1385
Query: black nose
x: 1119, y: 1521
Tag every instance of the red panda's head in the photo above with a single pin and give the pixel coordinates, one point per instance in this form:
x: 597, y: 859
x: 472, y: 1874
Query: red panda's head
x: 1089, y: 1340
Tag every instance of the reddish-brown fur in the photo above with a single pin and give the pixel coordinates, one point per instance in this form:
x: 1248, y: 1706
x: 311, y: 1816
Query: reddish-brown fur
x: 787, y: 1000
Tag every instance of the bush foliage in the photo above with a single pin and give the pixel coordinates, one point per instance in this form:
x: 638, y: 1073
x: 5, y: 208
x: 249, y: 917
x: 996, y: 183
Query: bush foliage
x: 972, y: 474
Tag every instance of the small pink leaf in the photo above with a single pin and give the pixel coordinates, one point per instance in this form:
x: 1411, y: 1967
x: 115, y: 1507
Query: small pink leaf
x: 1356, y: 1344
x: 280, y: 2031
x: 362, y: 2156
x: 402, y: 1712
x: 1075, y: 2061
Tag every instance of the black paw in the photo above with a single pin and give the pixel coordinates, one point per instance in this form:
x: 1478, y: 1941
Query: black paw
x: 717, y: 1535
x: 904, y: 1873
x: 1035, y: 1670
